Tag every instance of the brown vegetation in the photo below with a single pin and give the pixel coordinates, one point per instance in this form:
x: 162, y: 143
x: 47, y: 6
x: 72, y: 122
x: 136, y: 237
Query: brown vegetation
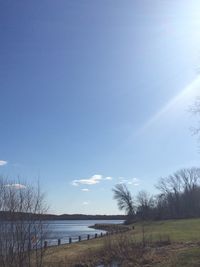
x: 121, y: 249
x: 21, y: 237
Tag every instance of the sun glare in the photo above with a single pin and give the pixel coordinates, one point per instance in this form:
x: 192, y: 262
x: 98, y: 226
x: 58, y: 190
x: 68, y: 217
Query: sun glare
x: 177, y: 104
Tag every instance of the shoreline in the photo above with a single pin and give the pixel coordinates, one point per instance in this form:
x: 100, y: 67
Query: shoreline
x: 111, y: 228
x: 155, y: 240
x: 107, y: 229
x: 70, y: 253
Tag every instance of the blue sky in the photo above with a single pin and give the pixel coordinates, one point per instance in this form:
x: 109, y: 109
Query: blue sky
x: 93, y: 93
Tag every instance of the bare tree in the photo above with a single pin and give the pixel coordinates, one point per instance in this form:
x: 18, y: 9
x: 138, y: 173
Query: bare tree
x: 145, y: 205
x: 180, y: 193
x: 124, y: 200
x: 22, y: 229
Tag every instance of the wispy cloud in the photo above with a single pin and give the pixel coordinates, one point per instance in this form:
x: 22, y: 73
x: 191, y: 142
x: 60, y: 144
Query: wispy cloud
x: 85, y: 190
x: 95, y: 179
x: 85, y: 203
x: 16, y: 186
x: 108, y: 178
x: 3, y: 162
x: 132, y: 181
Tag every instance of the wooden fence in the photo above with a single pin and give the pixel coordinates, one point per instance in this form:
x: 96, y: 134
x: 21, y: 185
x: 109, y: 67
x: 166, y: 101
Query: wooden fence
x: 83, y: 238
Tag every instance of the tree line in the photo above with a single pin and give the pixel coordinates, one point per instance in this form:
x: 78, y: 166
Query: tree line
x: 178, y: 198
x: 5, y: 215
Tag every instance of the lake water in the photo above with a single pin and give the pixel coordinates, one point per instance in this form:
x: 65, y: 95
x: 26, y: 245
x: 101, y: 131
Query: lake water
x: 73, y: 228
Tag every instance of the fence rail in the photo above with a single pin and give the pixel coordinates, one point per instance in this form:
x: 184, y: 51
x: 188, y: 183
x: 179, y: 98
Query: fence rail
x: 80, y: 238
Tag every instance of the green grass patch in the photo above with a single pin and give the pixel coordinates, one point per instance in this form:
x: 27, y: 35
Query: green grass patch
x: 187, y: 230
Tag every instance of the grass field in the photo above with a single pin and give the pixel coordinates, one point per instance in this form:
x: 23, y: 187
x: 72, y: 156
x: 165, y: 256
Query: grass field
x: 182, y: 248
x: 177, y: 230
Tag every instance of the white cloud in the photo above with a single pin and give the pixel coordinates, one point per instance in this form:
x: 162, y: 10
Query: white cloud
x: 85, y: 203
x: 16, y: 186
x: 3, y: 162
x: 123, y: 180
x: 85, y: 190
x: 95, y: 179
x: 133, y: 181
x: 108, y: 178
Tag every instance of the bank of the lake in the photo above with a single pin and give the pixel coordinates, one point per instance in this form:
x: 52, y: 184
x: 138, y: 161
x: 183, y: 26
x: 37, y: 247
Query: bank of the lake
x: 111, y: 227
x: 171, y: 243
x: 66, y: 230
x: 69, y: 254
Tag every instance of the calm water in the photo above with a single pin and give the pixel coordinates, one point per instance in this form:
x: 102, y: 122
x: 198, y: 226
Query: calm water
x: 73, y: 228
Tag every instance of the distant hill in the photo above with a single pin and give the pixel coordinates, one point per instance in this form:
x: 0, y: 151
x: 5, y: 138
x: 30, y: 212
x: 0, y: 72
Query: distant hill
x: 4, y: 215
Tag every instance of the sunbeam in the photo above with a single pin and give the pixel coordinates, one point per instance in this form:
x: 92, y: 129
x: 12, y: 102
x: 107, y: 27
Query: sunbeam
x: 177, y: 104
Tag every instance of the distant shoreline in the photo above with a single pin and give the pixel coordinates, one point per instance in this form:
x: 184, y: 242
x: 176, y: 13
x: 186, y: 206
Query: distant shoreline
x: 52, y: 217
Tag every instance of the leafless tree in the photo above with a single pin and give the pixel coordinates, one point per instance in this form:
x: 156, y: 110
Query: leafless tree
x: 124, y: 200
x: 180, y: 193
x: 22, y: 229
x: 145, y: 205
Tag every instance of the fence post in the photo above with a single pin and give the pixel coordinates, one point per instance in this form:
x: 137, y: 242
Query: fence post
x: 45, y: 244
x: 70, y: 240
x: 29, y: 246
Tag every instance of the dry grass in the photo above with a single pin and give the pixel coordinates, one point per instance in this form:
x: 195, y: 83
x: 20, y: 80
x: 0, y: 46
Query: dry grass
x: 120, y: 248
x: 156, y: 244
x: 68, y: 255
